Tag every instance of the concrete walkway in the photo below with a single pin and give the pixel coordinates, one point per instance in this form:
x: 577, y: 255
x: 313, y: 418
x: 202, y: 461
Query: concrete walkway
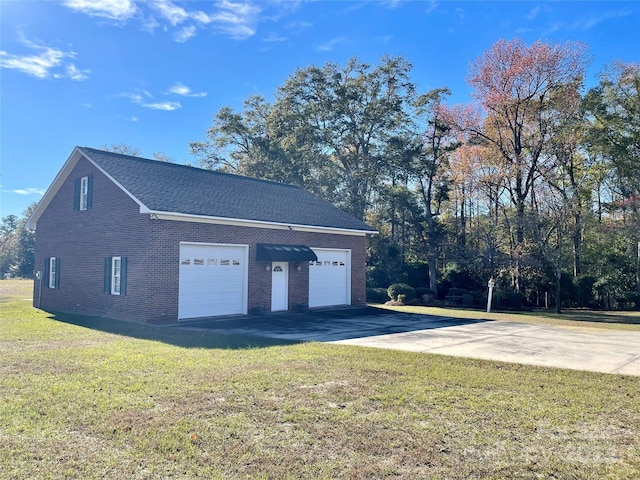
x: 579, y: 348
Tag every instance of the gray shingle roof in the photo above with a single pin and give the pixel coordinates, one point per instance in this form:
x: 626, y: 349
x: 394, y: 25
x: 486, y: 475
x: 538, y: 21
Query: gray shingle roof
x: 172, y: 188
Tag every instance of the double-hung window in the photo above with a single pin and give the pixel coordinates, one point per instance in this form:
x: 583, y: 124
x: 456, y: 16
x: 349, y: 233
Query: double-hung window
x: 84, y: 192
x: 52, y: 272
x: 115, y: 275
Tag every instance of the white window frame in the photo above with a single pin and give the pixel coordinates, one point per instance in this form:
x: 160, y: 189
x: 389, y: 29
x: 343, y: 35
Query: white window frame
x: 84, y: 193
x: 53, y: 271
x: 116, y: 275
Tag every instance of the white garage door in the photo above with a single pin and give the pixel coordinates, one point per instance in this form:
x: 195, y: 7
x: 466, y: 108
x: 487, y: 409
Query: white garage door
x: 330, y: 278
x: 213, y: 280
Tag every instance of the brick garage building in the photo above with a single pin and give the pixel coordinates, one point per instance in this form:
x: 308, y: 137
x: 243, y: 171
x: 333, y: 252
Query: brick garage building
x: 131, y: 238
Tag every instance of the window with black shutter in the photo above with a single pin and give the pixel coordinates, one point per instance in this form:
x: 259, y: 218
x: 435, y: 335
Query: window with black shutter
x: 115, y: 275
x: 83, y: 193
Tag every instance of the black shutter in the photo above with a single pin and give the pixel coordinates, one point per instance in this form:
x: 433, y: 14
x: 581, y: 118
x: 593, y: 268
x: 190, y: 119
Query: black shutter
x: 89, y: 192
x: 57, y: 263
x: 107, y: 275
x: 123, y: 275
x: 76, y: 194
x: 47, y: 262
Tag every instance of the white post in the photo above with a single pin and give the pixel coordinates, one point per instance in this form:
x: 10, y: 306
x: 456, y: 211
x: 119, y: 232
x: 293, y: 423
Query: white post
x: 492, y: 283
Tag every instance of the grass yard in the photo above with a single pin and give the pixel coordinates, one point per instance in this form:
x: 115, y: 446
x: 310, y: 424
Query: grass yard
x: 619, y: 320
x: 124, y: 401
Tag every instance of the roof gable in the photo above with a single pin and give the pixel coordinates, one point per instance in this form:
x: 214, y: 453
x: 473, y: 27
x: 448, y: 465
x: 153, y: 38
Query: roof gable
x: 193, y: 193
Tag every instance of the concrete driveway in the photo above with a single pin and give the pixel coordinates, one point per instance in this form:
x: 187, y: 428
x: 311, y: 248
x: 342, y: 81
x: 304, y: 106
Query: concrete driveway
x: 579, y: 348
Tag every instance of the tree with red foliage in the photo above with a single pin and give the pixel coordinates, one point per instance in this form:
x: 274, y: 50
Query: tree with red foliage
x: 515, y: 84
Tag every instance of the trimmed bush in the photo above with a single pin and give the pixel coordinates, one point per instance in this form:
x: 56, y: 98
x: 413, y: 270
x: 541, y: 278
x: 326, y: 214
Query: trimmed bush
x: 509, y: 299
x: 377, y: 295
x: 420, y: 291
x: 401, y: 289
x: 428, y: 298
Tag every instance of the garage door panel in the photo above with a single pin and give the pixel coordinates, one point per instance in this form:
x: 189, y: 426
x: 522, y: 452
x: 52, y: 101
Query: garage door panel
x: 329, y: 278
x: 212, y: 280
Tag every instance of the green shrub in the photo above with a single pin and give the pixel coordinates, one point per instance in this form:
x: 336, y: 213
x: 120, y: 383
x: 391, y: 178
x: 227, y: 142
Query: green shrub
x: 508, y: 298
x: 401, y: 289
x: 377, y: 295
x: 584, y: 290
x: 467, y: 299
x: 402, y: 298
x: 420, y: 291
x: 458, y: 292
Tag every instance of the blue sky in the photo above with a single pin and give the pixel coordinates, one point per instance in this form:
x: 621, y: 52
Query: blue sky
x: 152, y: 74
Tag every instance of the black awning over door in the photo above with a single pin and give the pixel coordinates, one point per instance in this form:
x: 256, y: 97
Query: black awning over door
x: 270, y: 252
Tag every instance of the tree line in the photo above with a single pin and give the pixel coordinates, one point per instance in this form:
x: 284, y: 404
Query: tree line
x: 535, y: 183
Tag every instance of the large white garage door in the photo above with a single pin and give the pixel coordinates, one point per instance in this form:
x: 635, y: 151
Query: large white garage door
x: 213, y: 280
x: 330, y: 278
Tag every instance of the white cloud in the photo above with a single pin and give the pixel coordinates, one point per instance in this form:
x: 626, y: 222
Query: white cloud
x: 174, y: 14
x: 392, y: 3
x: 183, y: 90
x: 185, y: 34
x: 168, y: 106
x: 431, y: 6
x: 594, y: 20
x: 237, y: 19
x: 113, y: 9
x: 29, y: 191
x: 331, y: 44
x: 36, y: 65
x: 132, y: 97
x: 74, y: 73
x: 145, y: 99
x: 274, y: 38
x: 44, y: 64
x: 149, y: 24
x: 534, y: 13
x: 298, y: 26
x: 134, y: 119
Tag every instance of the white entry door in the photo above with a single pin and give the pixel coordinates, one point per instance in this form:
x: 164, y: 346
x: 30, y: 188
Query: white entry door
x: 279, y: 286
x: 330, y: 278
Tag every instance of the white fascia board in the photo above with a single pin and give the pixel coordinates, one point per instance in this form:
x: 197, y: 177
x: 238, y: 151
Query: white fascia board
x: 62, y: 175
x: 239, y: 222
x: 53, y: 188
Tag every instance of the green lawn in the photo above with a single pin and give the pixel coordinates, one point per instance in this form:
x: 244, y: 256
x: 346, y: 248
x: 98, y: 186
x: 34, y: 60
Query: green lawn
x: 619, y: 320
x: 122, y: 401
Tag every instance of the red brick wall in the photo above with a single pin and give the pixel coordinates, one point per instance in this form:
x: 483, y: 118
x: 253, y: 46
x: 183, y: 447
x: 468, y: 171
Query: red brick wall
x: 82, y: 240
x: 114, y: 227
x: 167, y: 236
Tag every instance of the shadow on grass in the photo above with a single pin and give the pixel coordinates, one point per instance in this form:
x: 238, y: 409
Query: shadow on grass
x: 173, y: 335
x: 596, y: 316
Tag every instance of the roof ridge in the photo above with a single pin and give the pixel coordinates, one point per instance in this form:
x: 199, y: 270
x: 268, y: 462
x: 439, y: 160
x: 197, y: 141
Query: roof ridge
x: 190, y: 167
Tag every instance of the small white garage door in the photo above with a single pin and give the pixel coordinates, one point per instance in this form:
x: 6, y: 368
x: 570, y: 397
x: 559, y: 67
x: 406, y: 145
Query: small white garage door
x: 213, y: 280
x: 330, y: 278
